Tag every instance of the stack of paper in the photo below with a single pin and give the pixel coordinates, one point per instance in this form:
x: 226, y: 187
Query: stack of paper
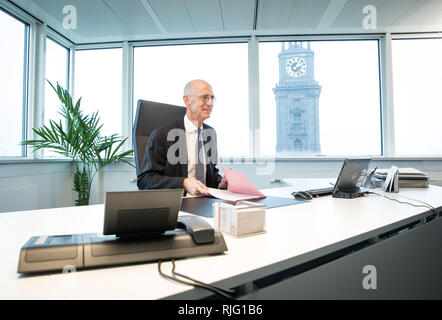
x: 238, y: 188
x: 231, y: 196
x: 408, y: 177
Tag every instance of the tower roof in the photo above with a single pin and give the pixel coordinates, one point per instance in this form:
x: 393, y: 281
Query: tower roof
x: 296, y: 46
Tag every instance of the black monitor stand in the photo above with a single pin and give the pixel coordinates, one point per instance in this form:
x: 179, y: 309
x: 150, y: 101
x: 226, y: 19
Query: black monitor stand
x: 350, y: 193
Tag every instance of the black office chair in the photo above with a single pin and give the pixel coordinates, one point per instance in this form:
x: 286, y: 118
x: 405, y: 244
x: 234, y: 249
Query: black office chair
x: 151, y: 115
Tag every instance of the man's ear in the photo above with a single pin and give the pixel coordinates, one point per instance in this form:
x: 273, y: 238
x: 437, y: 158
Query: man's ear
x: 186, y: 100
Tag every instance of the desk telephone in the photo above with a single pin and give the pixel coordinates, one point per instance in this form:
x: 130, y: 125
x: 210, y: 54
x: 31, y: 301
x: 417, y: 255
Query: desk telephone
x: 200, y: 230
x: 139, y: 226
x: 192, y: 237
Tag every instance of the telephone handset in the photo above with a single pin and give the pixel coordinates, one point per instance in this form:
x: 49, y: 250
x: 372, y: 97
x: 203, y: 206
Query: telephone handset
x: 200, y: 230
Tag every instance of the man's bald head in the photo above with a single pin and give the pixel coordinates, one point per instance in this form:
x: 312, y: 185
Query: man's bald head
x: 198, y: 98
x: 194, y: 85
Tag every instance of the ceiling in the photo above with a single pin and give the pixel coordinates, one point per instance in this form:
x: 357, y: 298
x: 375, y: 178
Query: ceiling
x: 118, y: 20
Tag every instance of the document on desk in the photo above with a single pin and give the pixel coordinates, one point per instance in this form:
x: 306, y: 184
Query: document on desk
x: 238, y: 188
x: 231, y: 196
x: 238, y: 183
x: 404, y: 173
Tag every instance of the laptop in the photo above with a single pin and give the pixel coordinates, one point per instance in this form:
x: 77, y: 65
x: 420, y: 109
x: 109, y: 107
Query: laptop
x: 349, y: 182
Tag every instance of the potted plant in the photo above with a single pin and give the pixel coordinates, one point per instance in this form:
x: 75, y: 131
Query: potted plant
x: 78, y: 137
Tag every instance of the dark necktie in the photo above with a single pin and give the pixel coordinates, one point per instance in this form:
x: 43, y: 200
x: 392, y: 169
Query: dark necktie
x: 199, y: 162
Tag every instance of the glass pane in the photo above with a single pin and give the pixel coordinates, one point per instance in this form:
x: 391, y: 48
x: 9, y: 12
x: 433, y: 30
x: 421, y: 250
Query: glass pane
x: 98, y: 80
x: 417, y: 79
x: 56, y: 71
x: 12, y: 77
x: 320, y: 98
x: 160, y: 74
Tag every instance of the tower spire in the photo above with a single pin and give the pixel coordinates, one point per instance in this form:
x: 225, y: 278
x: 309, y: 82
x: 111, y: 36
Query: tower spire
x: 297, y: 100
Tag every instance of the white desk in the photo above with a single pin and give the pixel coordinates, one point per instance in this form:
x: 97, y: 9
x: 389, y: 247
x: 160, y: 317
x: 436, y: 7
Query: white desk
x: 292, y: 231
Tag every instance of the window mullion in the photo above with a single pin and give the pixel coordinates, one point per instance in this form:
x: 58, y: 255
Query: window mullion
x: 254, y: 114
x: 127, y: 91
x: 386, y: 61
x: 36, y: 81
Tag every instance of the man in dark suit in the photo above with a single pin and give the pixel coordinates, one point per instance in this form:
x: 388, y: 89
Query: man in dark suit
x: 183, y: 154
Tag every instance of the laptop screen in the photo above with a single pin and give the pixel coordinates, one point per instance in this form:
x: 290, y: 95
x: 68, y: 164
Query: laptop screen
x: 352, y: 174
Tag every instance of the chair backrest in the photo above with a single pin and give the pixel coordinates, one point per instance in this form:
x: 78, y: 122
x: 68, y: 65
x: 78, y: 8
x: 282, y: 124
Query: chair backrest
x: 151, y: 115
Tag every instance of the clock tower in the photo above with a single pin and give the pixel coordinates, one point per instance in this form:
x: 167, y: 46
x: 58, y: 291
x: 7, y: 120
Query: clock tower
x: 297, y: 101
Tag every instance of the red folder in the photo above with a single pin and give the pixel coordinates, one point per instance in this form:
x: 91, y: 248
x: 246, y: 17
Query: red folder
x: 238, y: 183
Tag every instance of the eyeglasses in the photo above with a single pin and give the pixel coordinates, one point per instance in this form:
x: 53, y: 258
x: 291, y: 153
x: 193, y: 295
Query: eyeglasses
x: 205, y: 97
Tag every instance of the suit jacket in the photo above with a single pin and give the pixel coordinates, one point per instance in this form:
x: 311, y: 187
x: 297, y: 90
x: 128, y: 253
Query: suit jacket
x: 164, y: 164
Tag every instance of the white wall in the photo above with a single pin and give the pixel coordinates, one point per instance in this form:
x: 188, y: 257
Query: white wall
x: 26, y: 185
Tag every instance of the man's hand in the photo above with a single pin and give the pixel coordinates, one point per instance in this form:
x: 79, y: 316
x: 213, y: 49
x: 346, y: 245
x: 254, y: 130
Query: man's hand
x: 223, y: 184
x: 194, y: 187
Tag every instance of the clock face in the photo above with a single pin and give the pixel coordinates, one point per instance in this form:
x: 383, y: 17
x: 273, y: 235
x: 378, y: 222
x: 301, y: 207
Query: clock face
x: 296, y: 67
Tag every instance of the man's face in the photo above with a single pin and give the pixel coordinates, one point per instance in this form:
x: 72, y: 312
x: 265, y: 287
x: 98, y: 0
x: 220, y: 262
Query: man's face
x: 198, y: 101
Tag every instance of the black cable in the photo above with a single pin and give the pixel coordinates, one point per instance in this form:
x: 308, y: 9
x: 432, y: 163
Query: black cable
x: 433, y: 210
x: 226, y: 293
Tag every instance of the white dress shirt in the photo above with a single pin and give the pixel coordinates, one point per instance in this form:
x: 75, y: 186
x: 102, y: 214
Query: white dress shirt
x: 191, y: 140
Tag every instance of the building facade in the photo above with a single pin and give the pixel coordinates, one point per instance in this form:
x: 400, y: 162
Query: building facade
x: 297, y: 101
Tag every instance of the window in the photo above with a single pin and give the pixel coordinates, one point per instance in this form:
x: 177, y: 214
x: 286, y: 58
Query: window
x: 57, y: 64
x: 417, y: 78
x: 160, y: 74
x: 320, y: 97
x: 13, y: 66
x: 98, y: 81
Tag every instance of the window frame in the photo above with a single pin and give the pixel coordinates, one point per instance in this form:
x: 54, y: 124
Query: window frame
x: 182, y: 42
x: 380, y: 38
x: 385, y: 83
x: 32, y: 83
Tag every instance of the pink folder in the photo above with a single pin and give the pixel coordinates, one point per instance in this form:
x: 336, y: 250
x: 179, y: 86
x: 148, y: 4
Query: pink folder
x: 238, y: 183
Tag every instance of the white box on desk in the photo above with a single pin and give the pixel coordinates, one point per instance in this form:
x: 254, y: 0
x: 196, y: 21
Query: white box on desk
x: 244, y: 218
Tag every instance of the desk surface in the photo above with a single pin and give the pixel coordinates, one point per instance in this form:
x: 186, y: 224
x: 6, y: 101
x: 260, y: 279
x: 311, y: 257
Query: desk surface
x: 291, y: 231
